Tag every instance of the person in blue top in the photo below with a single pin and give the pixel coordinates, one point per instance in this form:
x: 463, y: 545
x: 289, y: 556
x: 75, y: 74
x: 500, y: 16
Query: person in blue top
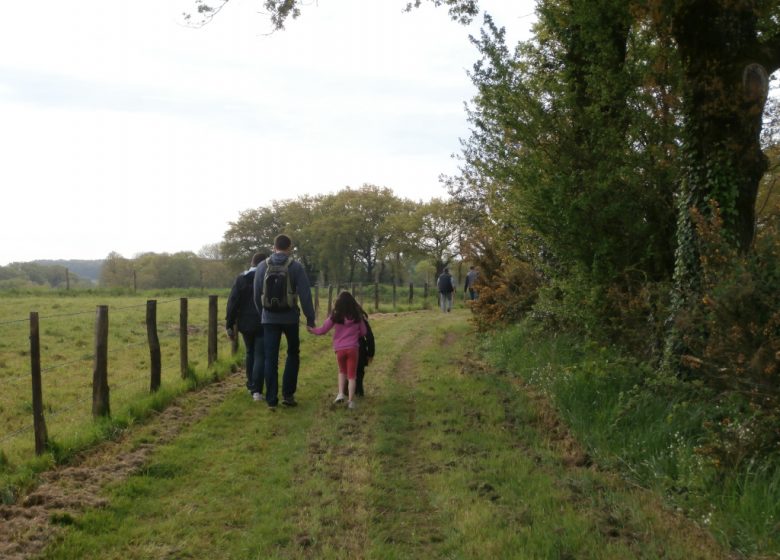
x: 281, y: 291
x: 243, y: 317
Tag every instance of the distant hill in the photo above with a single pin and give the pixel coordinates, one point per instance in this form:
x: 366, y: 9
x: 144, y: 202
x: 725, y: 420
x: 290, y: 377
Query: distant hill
x: 89, y: 270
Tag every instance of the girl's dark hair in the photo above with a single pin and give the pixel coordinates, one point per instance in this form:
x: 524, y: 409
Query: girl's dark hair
x: 346, y: 307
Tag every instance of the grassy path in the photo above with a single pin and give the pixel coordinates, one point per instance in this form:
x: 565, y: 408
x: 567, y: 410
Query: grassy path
x: 443, y: 458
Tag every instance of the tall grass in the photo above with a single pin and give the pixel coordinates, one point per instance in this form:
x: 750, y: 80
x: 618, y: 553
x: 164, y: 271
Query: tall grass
x: 649, y: 428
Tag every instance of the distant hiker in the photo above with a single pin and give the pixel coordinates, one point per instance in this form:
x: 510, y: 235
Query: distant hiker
x: 280, y: 284
x: 446, y: 286
x: 243, y: 317
x: 471, y: 280
x: 348, y: 318
x: 365, y: 356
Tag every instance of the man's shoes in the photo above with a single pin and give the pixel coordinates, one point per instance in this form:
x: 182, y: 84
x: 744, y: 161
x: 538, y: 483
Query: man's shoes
x: 339, y: 399
x: 257, y: 396
x: 289, y: 401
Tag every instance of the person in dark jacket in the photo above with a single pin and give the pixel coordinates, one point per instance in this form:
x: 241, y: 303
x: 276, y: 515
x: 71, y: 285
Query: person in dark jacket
x: 284, y: 321
x: 243, y: 317
x: 365, y: 356
x: 446, y: 287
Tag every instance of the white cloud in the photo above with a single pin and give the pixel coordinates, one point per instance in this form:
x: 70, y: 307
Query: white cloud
x: 123, y: 130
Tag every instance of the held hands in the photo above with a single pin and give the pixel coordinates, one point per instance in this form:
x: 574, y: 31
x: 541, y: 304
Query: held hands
x: 310, y: 329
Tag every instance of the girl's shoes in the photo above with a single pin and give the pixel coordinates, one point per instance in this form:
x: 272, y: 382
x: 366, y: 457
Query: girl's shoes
x: 339, y: 399
x: 351, y: 404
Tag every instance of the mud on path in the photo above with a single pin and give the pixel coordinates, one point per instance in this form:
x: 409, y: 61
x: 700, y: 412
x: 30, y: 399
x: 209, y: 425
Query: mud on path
x: 61, y: 494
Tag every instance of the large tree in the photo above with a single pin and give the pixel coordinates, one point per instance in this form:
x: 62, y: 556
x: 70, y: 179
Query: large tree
x: 280, y: 11
x: 253, y: 231
x: 726, y: 49
x: 439, y: 230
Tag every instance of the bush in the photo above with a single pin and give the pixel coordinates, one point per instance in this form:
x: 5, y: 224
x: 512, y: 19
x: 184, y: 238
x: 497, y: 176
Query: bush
x: 732, y: 336
x: 628, y: 311
x: 505, y: 294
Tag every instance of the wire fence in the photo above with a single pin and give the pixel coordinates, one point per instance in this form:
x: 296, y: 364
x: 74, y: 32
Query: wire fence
x: 67, y: 365
x: 69, y: 352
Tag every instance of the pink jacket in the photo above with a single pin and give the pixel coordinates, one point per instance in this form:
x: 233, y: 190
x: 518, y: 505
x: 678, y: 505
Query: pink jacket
x: 346, y: 335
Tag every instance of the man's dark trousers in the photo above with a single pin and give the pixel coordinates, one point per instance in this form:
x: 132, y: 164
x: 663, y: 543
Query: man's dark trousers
x: 272, y: 335
x: 255, y: 360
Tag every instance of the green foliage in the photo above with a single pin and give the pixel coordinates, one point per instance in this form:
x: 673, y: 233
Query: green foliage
x: 353, y: 235
x: 571, y: 167
x: 32, y: 275
x: 505, y: 295
x: 732, y: 337
x: 156, y: 271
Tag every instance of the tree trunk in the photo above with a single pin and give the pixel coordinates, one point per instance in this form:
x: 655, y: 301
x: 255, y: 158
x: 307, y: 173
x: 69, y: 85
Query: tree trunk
x: 723, y: 102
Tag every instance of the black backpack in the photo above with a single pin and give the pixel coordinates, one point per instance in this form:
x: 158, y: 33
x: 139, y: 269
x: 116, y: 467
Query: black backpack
x: 278, y: 293
x: 445, y: 284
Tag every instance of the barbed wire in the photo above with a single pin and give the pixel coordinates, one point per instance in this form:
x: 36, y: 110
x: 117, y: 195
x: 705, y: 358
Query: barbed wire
x: 73, y: 314
x: 15, y: 433
x: 122, y: 308
x: 69, y: 362
x: 13, y: 321
x: 125, y: 307
x: 15, y: 378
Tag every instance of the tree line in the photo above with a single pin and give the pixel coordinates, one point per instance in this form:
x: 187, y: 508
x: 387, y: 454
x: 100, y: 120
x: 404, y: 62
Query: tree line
x: 619, y: 182
x: 366, y: 234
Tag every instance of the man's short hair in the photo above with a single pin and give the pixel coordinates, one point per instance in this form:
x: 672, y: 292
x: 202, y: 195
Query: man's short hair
x: 257, y: 258
x: 282, y: 242
x: 446, y: 271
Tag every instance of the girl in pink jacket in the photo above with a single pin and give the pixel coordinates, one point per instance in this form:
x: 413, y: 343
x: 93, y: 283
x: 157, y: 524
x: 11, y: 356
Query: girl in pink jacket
x: 347, y: 317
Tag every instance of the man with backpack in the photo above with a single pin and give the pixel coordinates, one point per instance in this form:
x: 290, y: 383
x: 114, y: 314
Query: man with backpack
x: 242, y: 317
x: 446, y: 286
x: 280, y: 284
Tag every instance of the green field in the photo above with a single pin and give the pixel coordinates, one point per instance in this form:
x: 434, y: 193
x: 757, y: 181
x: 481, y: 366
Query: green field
x: 67, y: 333
x: 444, y: 458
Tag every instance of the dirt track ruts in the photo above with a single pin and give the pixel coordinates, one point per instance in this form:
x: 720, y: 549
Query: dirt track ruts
x: 27, y: 526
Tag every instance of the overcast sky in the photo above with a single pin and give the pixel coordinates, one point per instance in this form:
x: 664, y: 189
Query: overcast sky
x: 123, y: 130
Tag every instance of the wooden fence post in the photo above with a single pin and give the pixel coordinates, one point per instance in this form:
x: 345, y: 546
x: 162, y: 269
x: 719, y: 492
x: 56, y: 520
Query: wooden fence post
x: 212, y: 346
x: 183, y: 357
x: 100, y: 392
x: 39, y: 422
x: 155, y: 357
x: 395, y: 301
x: 411, y: 293
x: 330, y: 299
x: 425, y: 296
x: 376, y: 296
